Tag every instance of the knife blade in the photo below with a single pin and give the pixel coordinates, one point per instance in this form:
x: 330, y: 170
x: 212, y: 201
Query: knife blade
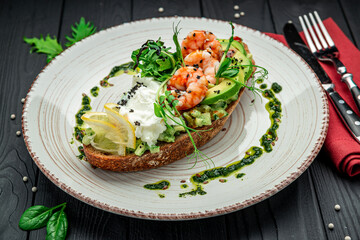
x: 346, y: 113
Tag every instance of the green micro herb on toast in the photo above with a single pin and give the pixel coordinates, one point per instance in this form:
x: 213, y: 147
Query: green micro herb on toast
x: 51, y: 46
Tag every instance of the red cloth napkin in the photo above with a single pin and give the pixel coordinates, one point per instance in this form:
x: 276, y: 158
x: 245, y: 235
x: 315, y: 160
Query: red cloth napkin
x: 341, y: 147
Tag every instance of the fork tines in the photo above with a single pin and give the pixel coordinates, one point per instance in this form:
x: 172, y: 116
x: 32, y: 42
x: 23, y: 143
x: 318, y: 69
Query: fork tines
x: 318, y: 38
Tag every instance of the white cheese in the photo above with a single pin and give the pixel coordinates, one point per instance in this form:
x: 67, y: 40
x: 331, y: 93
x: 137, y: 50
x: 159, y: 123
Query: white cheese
x: 140, y: 111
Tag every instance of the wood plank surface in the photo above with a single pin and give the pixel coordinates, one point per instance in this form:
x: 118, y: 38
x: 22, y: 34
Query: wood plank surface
x: 351, y: 10
x: 18, y: 69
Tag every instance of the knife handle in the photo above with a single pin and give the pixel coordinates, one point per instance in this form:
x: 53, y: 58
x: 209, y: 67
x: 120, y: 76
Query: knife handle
x: 349, y: 117
x: 354, y: 89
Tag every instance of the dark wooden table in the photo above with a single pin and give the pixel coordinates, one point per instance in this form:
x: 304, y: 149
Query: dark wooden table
x: 303, y: 210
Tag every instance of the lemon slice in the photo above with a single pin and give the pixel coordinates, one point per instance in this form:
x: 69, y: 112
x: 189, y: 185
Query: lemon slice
x: 108, y: 138
x: 126, y: 128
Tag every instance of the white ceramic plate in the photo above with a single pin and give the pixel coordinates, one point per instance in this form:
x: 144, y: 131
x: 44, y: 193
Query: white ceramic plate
x: 55, y: 97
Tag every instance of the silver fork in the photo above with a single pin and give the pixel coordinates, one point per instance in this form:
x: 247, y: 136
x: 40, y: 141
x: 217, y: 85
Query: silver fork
x: 323, y: 47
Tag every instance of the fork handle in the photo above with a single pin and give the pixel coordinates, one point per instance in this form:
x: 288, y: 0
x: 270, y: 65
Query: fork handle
x: 348, y: 79
x: 354, y: 89
x: 351, y: 119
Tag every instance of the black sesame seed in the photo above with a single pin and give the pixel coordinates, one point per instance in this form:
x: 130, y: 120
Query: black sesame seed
x: 201, y: 61
x: 185, y: 48
x: 194, y: 35
x: 189, y: 91
x: 187, y: 75
x: 131, y: 110
x: 198, y: 76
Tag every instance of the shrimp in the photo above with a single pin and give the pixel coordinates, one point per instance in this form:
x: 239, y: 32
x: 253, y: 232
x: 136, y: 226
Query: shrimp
x: 189, y: 86
x: 205, y: 61
x: 201, y: 40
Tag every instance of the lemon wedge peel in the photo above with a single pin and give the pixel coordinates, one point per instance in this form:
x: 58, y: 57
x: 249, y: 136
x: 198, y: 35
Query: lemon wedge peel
x: 122, y: 123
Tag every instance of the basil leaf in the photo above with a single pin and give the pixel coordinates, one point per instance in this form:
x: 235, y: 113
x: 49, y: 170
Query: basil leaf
x: 35, y: 217
x: 57, y: 226
x: 230, y: 73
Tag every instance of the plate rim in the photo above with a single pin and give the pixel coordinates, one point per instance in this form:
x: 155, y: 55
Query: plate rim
x: 191, y: 215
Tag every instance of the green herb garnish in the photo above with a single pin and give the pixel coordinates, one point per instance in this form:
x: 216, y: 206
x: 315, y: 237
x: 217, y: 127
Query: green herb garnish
x: 81, y: 30
x: 51, y: 46
x: 225, y: 62
x: 154, y: 60
x: 40, y: 216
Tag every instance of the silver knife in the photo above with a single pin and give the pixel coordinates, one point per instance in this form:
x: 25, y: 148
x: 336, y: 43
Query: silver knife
x: 348, y: 115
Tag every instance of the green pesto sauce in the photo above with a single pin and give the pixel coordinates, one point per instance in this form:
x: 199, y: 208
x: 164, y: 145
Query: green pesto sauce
x: 161, y: 195
x: 263, y: 86
x: 240, y: 175
x: 117, y: 71
x: 184, y: 186
x: 276, y: 87
x: 85, y: 107
x: 259, y: 81
x: 211, y: 174
x: 78, y: 131
x: 267, y: 141
x: 81, y: 156
x: 95, y: 91
x: 161, y: 185
x: 197, y: 191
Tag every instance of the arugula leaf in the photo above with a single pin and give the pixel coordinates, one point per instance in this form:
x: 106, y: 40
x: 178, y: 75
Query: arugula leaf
x: 35, y: 217
x: 50, y: 47
x: 81, y: 30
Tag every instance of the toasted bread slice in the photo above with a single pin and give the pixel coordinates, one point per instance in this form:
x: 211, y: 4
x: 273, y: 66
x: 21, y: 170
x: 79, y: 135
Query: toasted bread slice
x: 169, y: 152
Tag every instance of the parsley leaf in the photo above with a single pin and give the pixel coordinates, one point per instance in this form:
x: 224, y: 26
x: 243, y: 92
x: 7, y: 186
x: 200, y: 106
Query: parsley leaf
x: 80, y: 31
x: 50, y: 47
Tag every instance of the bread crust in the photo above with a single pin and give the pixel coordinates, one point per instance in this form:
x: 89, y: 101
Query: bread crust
x: 169, y: 152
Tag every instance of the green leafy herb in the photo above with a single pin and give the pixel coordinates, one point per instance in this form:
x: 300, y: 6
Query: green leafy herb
x: 35, y: 217
x: 154, y: 60
x: 57, y: 226
x: 40, y: 216
x: 81, y: 30
x: 49, y: 46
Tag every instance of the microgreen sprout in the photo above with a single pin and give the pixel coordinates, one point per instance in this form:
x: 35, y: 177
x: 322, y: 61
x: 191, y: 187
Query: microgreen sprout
x: 225, y: 62
x: 177, y: 44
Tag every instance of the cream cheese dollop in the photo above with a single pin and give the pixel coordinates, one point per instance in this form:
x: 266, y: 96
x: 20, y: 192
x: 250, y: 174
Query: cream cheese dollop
x: 139, y: 110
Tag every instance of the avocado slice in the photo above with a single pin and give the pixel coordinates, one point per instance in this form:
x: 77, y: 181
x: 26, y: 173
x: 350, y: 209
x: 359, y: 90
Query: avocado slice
x: 240, y: 54
x: 234, y: 45
x: 228, y: 88
x: 224, y: 90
